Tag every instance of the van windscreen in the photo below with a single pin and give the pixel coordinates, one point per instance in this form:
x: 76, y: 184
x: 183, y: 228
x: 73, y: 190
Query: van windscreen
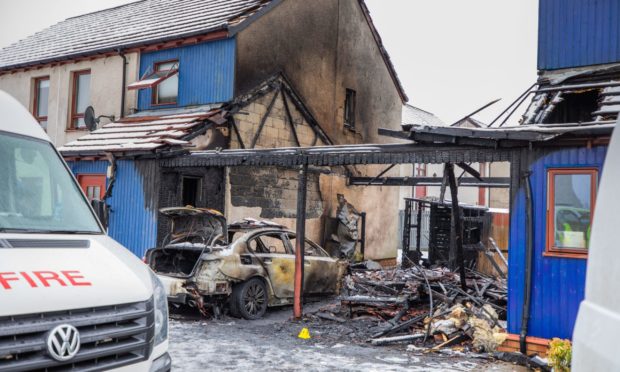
x: 37, y: 193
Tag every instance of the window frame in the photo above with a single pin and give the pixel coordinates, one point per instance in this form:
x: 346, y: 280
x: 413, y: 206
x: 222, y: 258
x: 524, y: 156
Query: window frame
x: 35, y: 100
x: 171, y: 73
x: 350, y: 103
x: 74, y: 94
x: 550, y: 249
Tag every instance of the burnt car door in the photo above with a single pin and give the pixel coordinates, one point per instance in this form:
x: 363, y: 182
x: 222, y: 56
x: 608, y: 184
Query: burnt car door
x: 321, y: 272
x: 277, y: 259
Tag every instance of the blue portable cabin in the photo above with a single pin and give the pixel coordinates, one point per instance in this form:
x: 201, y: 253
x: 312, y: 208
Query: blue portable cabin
x: 579, y: 76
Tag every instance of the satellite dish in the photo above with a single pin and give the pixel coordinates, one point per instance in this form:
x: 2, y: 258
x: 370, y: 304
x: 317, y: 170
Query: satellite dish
x: 91, y: 120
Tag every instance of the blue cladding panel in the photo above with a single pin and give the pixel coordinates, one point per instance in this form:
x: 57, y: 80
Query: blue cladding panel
x: 133, y: 223
x: 558, y: 284
x: 206, y: 73
x: 574, y: 33
x: 88, y: 167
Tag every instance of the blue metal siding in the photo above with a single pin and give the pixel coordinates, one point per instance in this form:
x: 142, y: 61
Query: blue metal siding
x: 574, y: 33
x: 88, y: 167
x: 558, y: 284
x: 206, y: 73
x: 133, y: 222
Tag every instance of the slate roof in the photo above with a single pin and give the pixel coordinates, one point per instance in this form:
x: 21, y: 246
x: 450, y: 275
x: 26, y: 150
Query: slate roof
x: 143, y: 132
x: 413, y: 115
x: 130, y: 25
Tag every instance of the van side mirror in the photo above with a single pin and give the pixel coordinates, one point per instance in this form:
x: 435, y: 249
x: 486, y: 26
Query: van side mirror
x: 101, y: 210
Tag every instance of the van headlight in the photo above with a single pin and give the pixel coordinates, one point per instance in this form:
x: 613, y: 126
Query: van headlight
x: 161, y: 309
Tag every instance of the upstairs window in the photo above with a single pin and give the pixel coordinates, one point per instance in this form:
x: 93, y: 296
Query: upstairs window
x: 80, y: 98
x: 41, y: 100
x: 349, y: 109
x: 570, y: 207
x: 163, y: 80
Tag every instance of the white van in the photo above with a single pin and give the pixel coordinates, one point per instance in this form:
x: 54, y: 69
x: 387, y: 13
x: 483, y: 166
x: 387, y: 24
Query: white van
x: 595, y: 347
x: 70, y: 296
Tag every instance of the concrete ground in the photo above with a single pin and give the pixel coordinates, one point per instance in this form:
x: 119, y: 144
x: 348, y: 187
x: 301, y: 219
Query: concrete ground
x: 271, y: 343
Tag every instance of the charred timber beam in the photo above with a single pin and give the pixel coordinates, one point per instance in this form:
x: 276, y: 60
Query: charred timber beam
x: 289, y: 118
x: 490, y: 182
x: 457, y: 223
x: 467, y: 168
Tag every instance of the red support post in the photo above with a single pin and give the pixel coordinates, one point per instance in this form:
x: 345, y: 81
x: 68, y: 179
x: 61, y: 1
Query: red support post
x: 300, y: 238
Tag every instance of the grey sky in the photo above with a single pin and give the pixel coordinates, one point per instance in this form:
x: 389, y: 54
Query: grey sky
x: 452, y: 56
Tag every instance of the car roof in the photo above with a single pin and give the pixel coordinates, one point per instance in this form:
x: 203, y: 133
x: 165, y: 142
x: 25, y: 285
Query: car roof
x: 16, y: 119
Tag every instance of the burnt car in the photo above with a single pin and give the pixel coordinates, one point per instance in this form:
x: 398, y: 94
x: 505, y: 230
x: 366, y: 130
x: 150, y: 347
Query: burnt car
x: 248, y: 265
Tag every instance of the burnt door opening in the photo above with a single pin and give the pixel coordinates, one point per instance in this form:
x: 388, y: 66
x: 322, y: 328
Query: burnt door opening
x: 190, y: 190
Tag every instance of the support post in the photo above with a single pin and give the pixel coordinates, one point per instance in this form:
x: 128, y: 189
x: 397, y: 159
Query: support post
x: 300, y: 238
x: 457, y: 223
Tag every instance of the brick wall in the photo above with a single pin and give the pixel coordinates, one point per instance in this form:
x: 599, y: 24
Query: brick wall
x: 274, y: 191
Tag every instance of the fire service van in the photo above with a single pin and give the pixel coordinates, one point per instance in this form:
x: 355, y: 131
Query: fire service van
x: 71, y: 298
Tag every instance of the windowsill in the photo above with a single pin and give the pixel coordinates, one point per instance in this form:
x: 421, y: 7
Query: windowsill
x: 573, y: 255
x: 76, y: 129
x: 163, y: 104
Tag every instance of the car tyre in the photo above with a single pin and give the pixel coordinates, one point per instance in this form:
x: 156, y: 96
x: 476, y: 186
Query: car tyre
x: 249, y: 299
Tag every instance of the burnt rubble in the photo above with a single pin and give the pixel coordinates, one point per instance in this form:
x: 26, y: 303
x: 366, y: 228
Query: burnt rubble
x: 424, y: 307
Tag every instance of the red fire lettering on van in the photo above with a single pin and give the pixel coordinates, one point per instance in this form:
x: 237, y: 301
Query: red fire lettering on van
x: 73, y: 276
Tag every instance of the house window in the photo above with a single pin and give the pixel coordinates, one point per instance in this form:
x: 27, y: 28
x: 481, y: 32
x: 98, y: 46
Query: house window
x: 41, y: 100
x: 570, y: 207
x: 349, y: 109
x: 80, y: 98
x: 166, y: 91
x: 93, y: 185
x: 190, y: 190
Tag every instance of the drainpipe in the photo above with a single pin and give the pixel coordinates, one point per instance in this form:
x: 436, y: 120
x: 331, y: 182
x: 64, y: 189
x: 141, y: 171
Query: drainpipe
x: 122, y: 55
x: 529, y: 252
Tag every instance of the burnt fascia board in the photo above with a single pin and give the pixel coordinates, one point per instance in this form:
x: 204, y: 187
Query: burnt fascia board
x: 234, y: 30
x: 399, y: 134
x: 500, y: 182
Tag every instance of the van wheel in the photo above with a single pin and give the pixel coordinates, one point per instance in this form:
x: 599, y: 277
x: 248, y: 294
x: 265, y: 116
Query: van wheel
x: 249, y: 299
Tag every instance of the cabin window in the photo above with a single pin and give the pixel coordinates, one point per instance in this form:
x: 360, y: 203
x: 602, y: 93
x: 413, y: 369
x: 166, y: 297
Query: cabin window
x: 570, y: 207
x: 80, y: 98
x: 349, y: 109
x: 41, y: 100
x: 190, y: 189
x: 166, y: 91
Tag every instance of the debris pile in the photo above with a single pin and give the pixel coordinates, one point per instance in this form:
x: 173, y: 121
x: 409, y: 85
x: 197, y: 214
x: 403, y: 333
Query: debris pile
x: 425, y: 306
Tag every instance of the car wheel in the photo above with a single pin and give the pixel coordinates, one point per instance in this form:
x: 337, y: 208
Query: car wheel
x: 250, y: 299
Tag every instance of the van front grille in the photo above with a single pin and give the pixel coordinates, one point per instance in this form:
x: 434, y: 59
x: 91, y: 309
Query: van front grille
x: 110, y: 337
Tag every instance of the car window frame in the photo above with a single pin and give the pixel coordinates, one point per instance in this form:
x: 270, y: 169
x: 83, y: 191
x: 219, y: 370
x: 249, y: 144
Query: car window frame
x: 316, y: 246
x: 283, y: 237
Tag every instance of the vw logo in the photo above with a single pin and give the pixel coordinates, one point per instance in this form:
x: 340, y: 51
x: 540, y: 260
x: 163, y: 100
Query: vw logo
x: 63, y: 342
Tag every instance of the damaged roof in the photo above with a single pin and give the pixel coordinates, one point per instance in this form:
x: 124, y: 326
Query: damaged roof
x: 415, y: 115
x: 598, y: 86
x: 131, y: 25
x: 515, y: 136
x: 145, y: 132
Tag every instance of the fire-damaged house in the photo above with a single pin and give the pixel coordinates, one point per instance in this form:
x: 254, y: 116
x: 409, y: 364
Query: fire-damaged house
x: 166, y: 79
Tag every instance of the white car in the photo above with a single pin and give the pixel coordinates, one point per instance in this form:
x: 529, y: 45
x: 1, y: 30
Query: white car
x: 70, y: 296
x: 598, y: 321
